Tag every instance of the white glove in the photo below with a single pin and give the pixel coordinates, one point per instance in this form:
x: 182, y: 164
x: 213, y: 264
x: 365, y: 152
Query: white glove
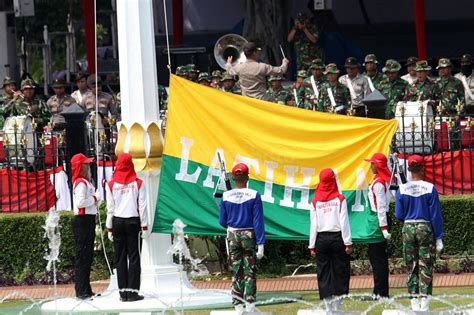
x: 386, y: 235
x: 439, y: 245
x: 260, y: 252
x: 146, y: 233
x: 98, y: 197
x: 111, y: 238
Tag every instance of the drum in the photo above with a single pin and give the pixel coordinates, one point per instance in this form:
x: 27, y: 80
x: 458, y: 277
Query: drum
x: 19, y: 140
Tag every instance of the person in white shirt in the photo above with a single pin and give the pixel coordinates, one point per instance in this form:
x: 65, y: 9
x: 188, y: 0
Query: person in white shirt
x: 126, y: 219
x: 330, y: 240
x: 82, y: 89
x: 379, y: 197
x: 83, y: 224
x: 410, y: 77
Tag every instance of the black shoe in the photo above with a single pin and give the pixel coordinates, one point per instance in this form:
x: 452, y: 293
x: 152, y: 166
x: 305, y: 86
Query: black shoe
x: 134, y: 298
x: 123, y: 299
x: 84, y: 297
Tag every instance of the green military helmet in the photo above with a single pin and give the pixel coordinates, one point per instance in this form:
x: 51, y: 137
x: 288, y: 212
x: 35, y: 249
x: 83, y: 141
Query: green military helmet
x: 444, y: 63
x: 181, y: 71
x: 8, y: 80
x: 370, y: 58
x: 391, y: 65
x: 204, y: 76
x: 331, y: 68
x: 227, y: 76
x: 191, y: 68
x: 302, y: 74
x: 28, y: 84
x: 466, y: 59
x: 422, y: 65
x: 216, y: 74
x: 275, y: 78
x: 316, y: 64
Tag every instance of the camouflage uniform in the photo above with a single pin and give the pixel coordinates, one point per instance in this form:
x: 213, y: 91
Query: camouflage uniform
x: 243, y: 264
x: 448, y: 91
x: 35, y: 107
x: 57, y: 105
x: 420, y: 90
x: 193, y: 72
x: 6, y: 102
x: 282, y: 96
x: 393, y: 90
x: 300, y: 100
x: 419, y: 256
x: 163, y: 97
x: 204, y: 76
x: 305, y: 49
x: 339, y: 91
x: 234, y: 89
x: 182, y: 71
x: 216, y: 77
x: 377, y: 77
x: 310, y: 96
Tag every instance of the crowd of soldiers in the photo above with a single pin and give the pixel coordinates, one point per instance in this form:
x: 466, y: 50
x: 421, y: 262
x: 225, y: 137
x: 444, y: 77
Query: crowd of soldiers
x: 26, y: 102
x: 321, y: 88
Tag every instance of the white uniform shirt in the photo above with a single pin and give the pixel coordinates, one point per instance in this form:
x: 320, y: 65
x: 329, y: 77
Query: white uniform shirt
x: 379, y: 198
x: 126, y: 201
x: 360, y: 83
x: 78, y: 96
x: 83, y: 196
x: 470, y: 83
x: 409, y: 78
x: 329, y: 216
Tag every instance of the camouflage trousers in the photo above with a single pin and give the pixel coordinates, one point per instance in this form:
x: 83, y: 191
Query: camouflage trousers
x: 243, y: 264
x: 419, y: 256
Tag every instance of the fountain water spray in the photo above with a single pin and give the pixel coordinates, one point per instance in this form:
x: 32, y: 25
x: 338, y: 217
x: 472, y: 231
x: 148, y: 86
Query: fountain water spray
x: 51, y: 229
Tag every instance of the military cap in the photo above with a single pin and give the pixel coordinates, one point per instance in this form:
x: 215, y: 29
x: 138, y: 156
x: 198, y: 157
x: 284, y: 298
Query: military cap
x: 92, y: 80
x: 28, y: 84
x: 204, y: 76
x: 331, y: 68
x: 191, y: 68
x: 216, y: 74
x: 7, y: 80
x: 275, y: 78
x: 301, y: 16
x: 370, y: 58
x: 227, y: 76
x: 351, y: 62
x: 302, y: 73
x: 80, y: 76
x: 443, y: 63
x: 391, y: 65
x: 316, y: 64
x: 466, y: 59
x: 422, y: 65
x: 411, y: 61
x: 59, y: 83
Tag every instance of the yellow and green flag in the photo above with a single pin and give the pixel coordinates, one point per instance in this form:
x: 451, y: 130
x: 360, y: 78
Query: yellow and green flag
x: 285, y: 149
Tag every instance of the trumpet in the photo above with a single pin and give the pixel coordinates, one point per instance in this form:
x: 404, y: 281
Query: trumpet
x: 19, y: 95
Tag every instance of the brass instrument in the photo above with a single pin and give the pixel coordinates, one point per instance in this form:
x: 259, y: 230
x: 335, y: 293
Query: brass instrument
x: 229, y: 45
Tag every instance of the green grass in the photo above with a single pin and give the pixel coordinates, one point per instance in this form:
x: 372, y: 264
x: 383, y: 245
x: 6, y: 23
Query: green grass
x: 14, y: 307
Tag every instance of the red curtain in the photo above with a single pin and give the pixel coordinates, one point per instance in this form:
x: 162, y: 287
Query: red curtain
x: 23, y: 191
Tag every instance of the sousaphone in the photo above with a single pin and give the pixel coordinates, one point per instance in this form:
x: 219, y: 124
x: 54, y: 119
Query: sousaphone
x: 229, y: 45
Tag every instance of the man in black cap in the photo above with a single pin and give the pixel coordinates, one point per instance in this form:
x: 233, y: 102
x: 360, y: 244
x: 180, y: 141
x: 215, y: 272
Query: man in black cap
x: 410, y: 77
x: 357, y: 84
x: 466, y: 76
x: 59, y: 102
x: 82, y: 89
x: 252, y: 74
x: 106, y: 101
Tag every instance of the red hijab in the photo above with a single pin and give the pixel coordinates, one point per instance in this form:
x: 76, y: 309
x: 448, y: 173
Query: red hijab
x: 380, y: 162
x: 327, y: 187
x: 124, y: 171
x: 76, y: 164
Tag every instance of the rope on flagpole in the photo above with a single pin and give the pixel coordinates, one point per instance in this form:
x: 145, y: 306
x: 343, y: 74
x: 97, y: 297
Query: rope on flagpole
x: 167, y: 36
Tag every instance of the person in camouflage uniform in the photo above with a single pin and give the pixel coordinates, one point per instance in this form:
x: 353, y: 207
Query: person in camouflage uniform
x: 216, y: 77
x: 417, y: 205
x: 277, y: 93
x: 448, y: 90
x: 228, y: 84
x: 32, y: 105
x: 422, y: 88
x: 59, y: 102
x: 163, y: 97
x: 182, y: 71
x: 193, y: 72
x: 241, y: 213
x: 392, y: 87
x: 317, y: 75
x: 340, y: 92
x: 370, y: 64
x: 299, y: 88
x: 8, y: 100
x: 305, y: 36
x: 204, y: 79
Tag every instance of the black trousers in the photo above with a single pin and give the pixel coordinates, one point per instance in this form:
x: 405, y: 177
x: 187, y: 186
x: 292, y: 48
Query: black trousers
x: 127, y: 258
x: 378, y: 258
x: 83, y: 229
x: 333, y: 265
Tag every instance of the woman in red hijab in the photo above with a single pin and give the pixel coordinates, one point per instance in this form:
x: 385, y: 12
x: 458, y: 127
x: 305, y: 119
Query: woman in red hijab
x: 126, y: 219
x: 83, y: 223
x: 379, y: 198
x: 330, y: 240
